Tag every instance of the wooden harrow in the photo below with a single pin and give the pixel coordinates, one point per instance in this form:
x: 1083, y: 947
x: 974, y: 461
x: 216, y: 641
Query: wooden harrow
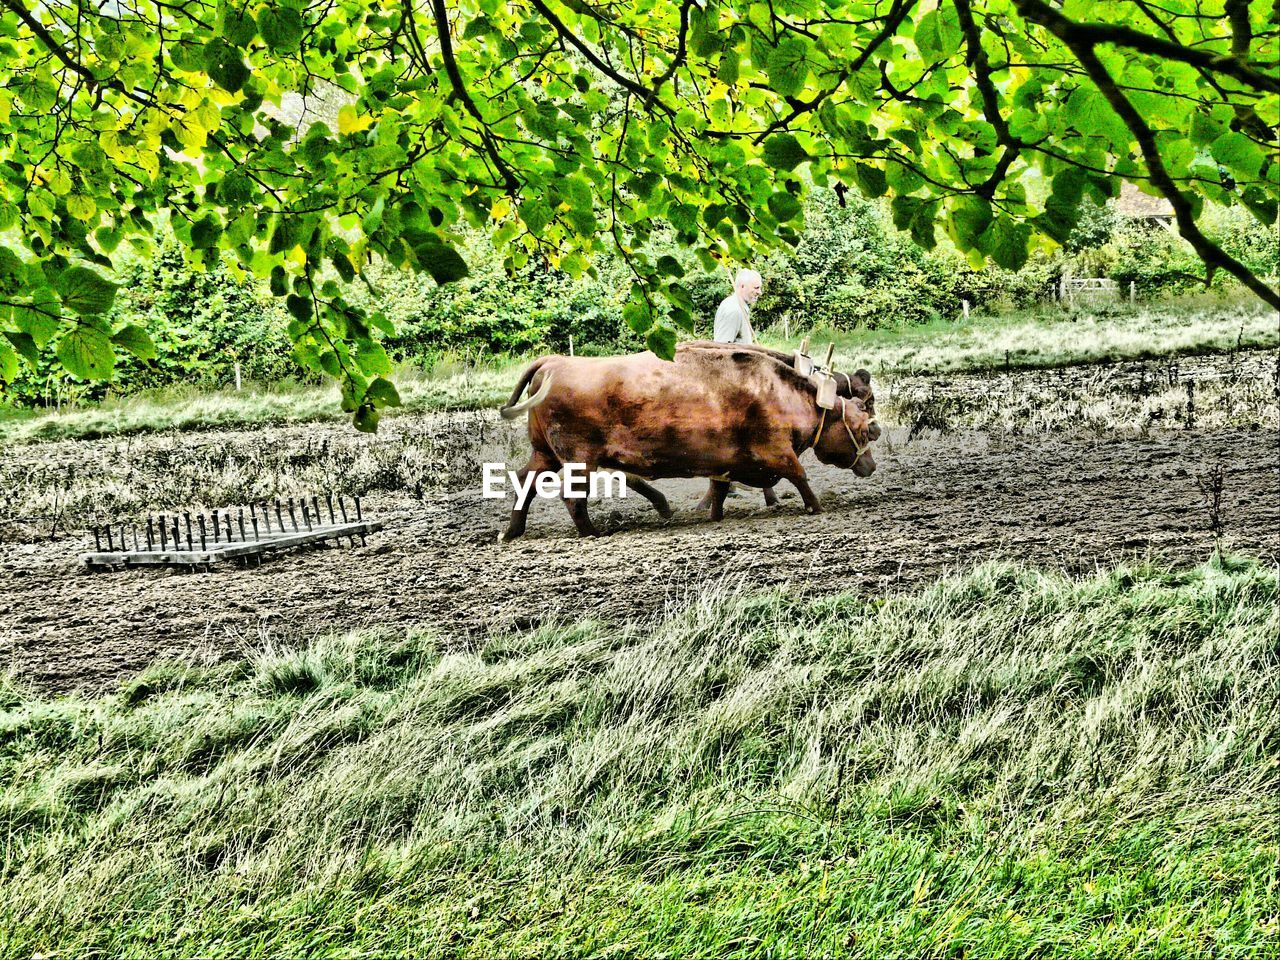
x: 245, y: 534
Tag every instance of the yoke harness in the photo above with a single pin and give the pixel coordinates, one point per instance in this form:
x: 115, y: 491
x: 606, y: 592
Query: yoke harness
x: 822, y: 422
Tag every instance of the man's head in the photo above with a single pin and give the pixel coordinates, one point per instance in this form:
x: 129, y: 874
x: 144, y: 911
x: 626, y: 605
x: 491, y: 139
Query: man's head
x: 747, y: 286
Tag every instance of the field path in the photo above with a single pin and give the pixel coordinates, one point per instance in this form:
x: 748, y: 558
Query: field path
x: 934, y: 504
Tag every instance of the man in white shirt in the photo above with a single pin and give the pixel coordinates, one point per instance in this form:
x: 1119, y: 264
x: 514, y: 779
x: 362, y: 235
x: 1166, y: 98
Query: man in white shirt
x: 733, y: 318
x: 733, y: 325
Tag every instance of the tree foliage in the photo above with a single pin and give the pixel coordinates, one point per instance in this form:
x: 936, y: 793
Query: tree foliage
x: 568, y: 128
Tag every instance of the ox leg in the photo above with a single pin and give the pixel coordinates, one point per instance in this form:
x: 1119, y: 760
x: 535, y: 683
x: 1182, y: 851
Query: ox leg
x: 806, y: 494
x: 708, y: 498
x: 652, y: 494
x: 539, y: 462
x: 719, y: 490
x: 581, y: 519
x: 792, y: 469
x: 770, y: 498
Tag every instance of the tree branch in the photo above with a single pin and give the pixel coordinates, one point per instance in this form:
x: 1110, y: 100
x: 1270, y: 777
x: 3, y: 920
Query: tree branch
x: 1075, y: 34
x: 1208, y: 251
x: 460, y: 90
x: 976, y: 57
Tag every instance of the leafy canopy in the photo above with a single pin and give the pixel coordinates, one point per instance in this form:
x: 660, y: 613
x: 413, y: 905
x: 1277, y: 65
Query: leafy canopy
x: 565, y: 127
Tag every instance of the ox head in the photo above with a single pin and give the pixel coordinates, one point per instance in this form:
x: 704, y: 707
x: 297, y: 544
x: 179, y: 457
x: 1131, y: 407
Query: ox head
x: 858, y: 385
x: 846, y: 436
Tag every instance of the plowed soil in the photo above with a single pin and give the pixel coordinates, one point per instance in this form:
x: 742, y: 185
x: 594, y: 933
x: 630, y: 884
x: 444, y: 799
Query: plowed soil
x: 937, y: 502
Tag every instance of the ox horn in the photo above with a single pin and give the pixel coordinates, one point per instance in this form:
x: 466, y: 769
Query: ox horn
x: 511, y: 412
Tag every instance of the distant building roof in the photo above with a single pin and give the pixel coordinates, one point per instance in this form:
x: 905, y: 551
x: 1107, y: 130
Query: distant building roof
x: 1134, y: 203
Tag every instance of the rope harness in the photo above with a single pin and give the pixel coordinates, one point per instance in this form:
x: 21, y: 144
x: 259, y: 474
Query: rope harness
x: 861, y: 448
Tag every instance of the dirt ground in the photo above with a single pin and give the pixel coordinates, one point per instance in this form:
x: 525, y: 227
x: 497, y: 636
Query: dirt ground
x: 937, y: 502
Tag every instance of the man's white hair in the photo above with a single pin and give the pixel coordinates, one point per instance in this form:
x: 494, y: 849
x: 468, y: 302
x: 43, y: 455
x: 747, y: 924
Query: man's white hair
x: 746, y: 276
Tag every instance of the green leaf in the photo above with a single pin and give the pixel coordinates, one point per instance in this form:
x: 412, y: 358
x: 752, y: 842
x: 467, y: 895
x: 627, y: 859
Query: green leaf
x: 788, y: 66
x: 13, y: 273
x: 371, y: 357
x: 237, y: 25
x: 1238, y: 153
x: 300, y: 308
x: 366, y: 418
x: 1059, y: 218
x: 784, y: 206
x: 383, y: 393
x: 971, y: 216
x: 478, y: 27
x: 224, y: 65
x: 206, y: 232
x: 136, y: 340
x: 782, y: 151
x: 871, y: 180
x: 662, y: 341
x: 670, y: 266
x: 442, y: 261
x: 86, y: 353
x: 636, y: 316
x: 84, y: 291
x: 727, y: 72
x: 8, y: 362
x: 1006, y: 241
x: 41, y: 316
x: 234, y: 189
x: 25, y: 345
x: 281, y: 27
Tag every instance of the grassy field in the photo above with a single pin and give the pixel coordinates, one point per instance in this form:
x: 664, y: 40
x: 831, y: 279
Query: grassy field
x: 1040, y: 339
x: 1006, y: 764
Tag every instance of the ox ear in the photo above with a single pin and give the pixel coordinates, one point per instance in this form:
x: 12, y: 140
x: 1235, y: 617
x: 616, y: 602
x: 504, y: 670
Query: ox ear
x: 864, y: 376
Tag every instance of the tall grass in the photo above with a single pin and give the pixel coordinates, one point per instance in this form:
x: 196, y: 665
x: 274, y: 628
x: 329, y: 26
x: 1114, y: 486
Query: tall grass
x: 1035, y: 339
x: 1054, y: 337
x: 1006, y: 764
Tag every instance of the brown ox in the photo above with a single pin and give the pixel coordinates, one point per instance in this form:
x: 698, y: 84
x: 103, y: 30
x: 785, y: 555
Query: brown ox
x: 856, y: 384
x: 732, y: 415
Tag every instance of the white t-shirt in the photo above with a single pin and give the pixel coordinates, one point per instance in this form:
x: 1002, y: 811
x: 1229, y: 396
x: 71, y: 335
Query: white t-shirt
x: 733, y: 321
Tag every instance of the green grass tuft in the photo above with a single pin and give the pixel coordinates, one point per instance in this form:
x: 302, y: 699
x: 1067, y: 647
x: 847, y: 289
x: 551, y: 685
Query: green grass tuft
x: 1009, y: 763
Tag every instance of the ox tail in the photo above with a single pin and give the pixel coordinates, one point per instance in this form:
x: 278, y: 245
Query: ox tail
x: 514, y: 409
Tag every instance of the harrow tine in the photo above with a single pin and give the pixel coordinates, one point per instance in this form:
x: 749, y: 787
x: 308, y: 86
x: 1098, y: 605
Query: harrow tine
x: 176, y: 533
x: 315, y: 509
x: 328, y: 499
x: 217, y: 527
x: 293, y: 517
x: 186, y: 515
x: 306, y: 513
x: 342, y: 506
x: 150, y: 533
x: 266, y: 516
x: 134, y: 528
x: 97, y: 539
x: 227, y: 516
x: 279, y: 515
x: 242, y: 534
x: 203, y: 542
x: 164, y: 533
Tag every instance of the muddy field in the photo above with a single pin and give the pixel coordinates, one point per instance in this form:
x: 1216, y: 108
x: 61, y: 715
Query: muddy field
x: 1069, y: 490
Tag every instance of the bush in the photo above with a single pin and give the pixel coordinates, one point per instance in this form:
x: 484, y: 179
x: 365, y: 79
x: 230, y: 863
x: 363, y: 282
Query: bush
x: 202, y: 324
